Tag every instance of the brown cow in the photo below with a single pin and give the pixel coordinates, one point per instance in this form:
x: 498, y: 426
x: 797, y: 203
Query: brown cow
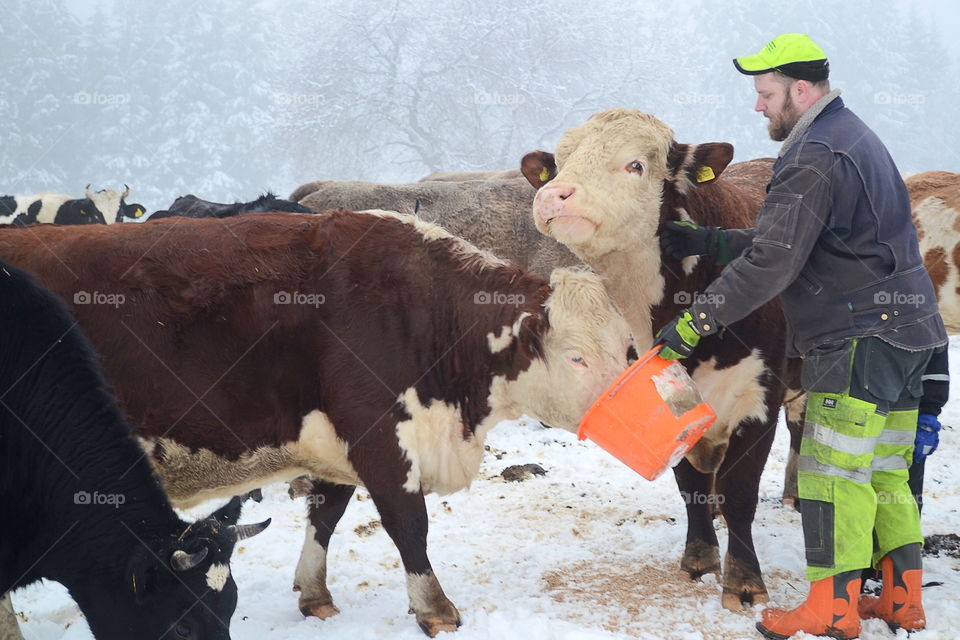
x: 935, y: 200
x: 492, y: 214
x: 616, y: 180
x: 465, y: 176
x: 358, y: 348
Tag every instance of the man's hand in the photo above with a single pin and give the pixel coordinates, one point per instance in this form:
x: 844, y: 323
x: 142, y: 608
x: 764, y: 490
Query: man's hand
x: 928, y: 436
x: 681, y: 335
x: 679, y: 239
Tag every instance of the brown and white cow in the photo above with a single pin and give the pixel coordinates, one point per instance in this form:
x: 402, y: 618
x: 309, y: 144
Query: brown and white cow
x: 360, y: 348
x: 615, y: 181
x: 935, y: 200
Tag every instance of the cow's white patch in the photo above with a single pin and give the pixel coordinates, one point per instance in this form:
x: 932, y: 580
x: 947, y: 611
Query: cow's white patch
x: 500, y: 342
x: 735, y: 393
x: 217, y: 576
x: 310, y: 578
x: 191, y: 477
x: 470, y: 255
x: 939, y: 222
x: 51, y: 203
x: 443, y: 456
x: 108, y: 202
x: 424, y: 591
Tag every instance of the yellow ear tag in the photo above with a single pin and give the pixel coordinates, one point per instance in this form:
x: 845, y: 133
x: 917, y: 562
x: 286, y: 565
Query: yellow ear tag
x: 138, y: 213
x: 705, y: 173
x: 544, y: 174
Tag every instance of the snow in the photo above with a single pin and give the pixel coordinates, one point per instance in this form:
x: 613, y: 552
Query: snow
x: 589, y: 551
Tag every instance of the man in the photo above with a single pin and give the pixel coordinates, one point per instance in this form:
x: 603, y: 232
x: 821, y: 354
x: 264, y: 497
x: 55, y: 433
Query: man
x: 836, y: 242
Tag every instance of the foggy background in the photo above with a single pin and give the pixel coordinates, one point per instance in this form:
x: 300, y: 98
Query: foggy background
x: 226, y: 99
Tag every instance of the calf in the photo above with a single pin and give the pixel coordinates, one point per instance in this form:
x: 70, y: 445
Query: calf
x: 80, y: 504
x: 190, y: 206
x: 613, y: 182
x: 365, y: 349
x: 103, y: 207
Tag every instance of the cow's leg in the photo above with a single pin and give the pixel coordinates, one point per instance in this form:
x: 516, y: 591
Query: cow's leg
x: 326, y: 503
x: 9, y: 627
x: 738, y: 483
x: 702, y: 552
x: 404, y: 518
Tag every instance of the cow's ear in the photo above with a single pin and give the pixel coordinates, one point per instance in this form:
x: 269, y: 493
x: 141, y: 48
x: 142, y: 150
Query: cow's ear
x: 708, y: 162
x: 539, y: 168
x: 530, y: 331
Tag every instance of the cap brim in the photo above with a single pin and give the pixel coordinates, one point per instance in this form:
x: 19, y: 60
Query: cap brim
x: 751, y: 65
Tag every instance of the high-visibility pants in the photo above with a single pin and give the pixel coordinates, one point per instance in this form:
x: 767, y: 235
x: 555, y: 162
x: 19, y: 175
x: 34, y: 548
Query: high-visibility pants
x: 855, y: 501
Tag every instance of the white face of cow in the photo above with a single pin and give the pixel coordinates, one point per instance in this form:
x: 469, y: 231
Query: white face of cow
x: 108, y: 202
x: 609, y: 182
x: 585, y: 349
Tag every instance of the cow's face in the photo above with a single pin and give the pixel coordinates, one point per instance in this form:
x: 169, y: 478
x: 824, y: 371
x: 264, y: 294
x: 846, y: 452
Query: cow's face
x: 585, y: 348
x: 109, y: 203
x: 611, y: 177
x: 175, y: 589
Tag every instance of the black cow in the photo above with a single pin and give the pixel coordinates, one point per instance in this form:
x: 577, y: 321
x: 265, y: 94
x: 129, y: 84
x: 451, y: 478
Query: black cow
x: 190, y: 206
x: 102, y: 207
x: 79, y: 502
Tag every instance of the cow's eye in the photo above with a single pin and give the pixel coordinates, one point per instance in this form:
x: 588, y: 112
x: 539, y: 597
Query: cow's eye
x: 184, y: 631
x: 635, y: 167
x: 578, y: 361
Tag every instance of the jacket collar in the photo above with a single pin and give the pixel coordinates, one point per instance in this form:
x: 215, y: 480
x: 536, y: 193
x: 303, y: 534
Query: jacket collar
x: 807, y: 119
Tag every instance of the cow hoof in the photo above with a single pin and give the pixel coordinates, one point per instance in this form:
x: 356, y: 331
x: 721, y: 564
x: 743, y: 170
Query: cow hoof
x: 432, y: 626
x: 700, y: 558
x: 318, y: 609
x: 736, y: 601
x: 742, y: 585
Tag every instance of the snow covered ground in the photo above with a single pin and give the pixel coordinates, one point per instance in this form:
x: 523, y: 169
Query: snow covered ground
x: 589, y: 551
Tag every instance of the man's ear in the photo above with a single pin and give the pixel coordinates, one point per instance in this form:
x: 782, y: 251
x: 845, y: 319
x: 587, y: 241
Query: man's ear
x: 539, y: 168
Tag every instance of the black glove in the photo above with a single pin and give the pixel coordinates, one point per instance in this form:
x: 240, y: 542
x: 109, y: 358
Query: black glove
x: 681, y: 335
x: 679, y: 239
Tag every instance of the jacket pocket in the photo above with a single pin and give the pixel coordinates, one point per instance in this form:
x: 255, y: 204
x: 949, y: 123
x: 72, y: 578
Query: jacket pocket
x: 777, y: 220
x: 826, y: 369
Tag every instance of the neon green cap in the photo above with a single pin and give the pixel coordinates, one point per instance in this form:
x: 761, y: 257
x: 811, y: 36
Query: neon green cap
x: 793, y: 54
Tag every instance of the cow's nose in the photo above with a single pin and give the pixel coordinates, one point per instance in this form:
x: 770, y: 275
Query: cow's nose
x: 551, y: 200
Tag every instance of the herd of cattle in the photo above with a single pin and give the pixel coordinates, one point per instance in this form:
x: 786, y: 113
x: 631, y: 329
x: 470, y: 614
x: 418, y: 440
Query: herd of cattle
x: 373, y: 342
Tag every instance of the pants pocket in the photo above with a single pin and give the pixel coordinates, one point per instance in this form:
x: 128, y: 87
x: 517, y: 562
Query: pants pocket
x: 817, y: 518
x: 826, y: 369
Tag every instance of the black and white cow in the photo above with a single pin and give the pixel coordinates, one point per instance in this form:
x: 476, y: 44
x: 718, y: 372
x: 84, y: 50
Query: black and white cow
x: 102, y: 207
x: 79, y: 502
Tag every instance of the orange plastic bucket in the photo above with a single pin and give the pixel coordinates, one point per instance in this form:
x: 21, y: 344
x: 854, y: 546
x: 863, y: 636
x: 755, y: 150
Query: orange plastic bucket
x: 649, y: 417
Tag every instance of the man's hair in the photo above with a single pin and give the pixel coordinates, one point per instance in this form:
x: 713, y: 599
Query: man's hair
x: 788, y: 81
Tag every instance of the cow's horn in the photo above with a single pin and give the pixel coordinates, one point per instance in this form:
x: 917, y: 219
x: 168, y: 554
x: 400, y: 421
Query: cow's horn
x: 86, y: 192
x: 183, y: 561
x: 126, y: 191
x: 244, y: 531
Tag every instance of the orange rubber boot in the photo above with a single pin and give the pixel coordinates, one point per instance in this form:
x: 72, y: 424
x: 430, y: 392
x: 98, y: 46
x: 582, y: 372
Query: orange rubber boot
x: 830, y: 610
x: 900, y: 604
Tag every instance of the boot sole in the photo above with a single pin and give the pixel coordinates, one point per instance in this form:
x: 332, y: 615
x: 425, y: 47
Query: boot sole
x: 773, y: 635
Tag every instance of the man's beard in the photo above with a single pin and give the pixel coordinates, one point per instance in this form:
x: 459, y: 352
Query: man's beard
x: 781, y: 126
